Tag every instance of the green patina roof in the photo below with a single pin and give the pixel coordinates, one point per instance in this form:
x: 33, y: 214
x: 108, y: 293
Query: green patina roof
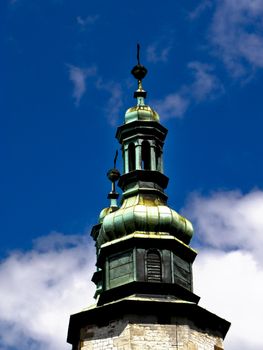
x: 149, y: 216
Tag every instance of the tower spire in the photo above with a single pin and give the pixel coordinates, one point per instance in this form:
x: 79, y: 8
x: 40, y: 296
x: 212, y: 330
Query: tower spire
x: 144, y: 260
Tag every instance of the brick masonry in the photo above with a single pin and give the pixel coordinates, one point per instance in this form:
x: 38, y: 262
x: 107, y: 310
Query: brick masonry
x: 123, y: 334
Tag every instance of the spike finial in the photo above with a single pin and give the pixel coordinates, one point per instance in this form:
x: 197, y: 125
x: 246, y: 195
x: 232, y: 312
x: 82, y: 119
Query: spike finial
x: 139, y: 72
x: 138, y: 54
x: 115, y: 159
x: 113, y: 176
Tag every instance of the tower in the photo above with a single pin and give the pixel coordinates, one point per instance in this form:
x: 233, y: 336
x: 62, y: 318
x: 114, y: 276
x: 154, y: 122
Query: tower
x: 144, y: 286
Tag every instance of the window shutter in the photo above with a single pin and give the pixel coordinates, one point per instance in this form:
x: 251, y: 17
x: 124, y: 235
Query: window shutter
x: 154, y: 267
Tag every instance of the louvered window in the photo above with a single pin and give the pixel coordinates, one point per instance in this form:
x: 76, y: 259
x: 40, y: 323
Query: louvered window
x: 154, y: 266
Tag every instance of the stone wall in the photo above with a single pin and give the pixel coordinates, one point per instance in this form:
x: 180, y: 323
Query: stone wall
x: 124, y: 335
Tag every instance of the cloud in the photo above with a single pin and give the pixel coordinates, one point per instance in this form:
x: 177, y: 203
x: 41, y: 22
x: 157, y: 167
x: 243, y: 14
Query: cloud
x: 205, y: 85
x: 87, y: 21
x: 78, y: 76
x: 114, y: 104
x: 197, y: 12
x: 158, y: 51
x: 229, y: 268
x: 40, y: 288
x: 230, y: 220
x: 231, y: 285
x: 172, y: 105
x: 236, y: 34
x: 114, y: 101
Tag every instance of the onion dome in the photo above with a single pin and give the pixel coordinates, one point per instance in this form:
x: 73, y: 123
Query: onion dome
x: 145, y: 216
x: 105, y: 212
x: 141, y: 112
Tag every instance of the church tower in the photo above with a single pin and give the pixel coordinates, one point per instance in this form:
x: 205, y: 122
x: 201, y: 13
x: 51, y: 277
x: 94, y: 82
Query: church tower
x: 144, y: 285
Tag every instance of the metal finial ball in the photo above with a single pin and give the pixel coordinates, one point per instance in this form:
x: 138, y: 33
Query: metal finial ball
x: 113, y: 175
x: 139, y: 72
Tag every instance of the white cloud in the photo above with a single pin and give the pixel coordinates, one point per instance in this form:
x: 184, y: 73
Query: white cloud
x: 204, y: 86
x: 172, y: 106
x: 78, y: 77
x: 231, y: 285
x: 114, y: 104
x: 158, y: 52
x: 196, y: 13
x: 41, y: 288
x: 237, y: 34
x: 230, y: 220
x: 229, y: 268
x: 114, y: 101
x: 87, y: 21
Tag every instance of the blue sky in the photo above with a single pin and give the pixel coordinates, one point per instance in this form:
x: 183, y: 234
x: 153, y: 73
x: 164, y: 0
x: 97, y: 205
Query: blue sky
x: 65, y: 86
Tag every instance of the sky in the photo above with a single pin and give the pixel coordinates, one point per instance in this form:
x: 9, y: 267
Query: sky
x: 65, y: 86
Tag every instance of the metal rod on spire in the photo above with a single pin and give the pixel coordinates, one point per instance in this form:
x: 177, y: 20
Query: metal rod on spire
x: 113, y: 176
x: 115, y: 159
x: 138, y: 54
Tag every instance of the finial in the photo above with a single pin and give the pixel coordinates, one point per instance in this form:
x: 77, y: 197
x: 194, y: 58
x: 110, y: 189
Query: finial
x: 138, y: 54
x: 113, y: 175
x: 115, y: 159
x: 139, y: 72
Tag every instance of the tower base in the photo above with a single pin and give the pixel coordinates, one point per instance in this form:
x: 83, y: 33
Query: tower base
x: 138, y: 323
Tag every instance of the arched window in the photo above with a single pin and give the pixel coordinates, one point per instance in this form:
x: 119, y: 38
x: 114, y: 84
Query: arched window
x: 146, y: 155
x: 153, y: 266
x: 131, y: 152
